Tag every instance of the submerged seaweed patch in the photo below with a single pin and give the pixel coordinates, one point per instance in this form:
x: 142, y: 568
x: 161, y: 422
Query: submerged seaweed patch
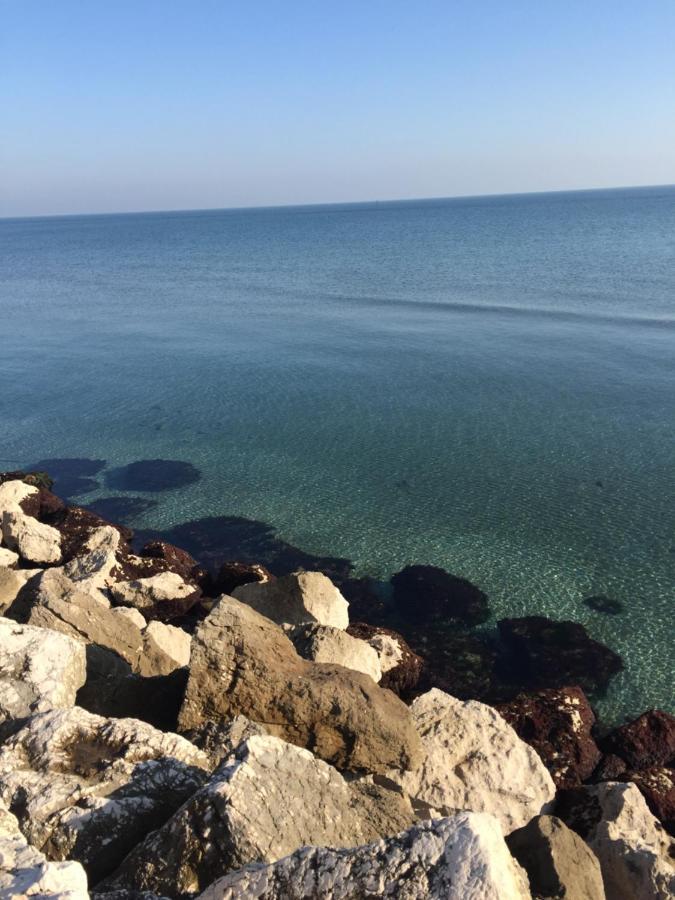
x: 72, y: 476
x: 153, y: 475
x: 121, y: 509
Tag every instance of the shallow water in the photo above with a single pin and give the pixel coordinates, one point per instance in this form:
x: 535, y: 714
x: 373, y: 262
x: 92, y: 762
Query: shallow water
x: 483, y: 384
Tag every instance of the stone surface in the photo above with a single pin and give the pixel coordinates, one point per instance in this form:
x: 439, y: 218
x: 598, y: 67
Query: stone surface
x: 11, y: 583
x: 39, y: 670
x: 163, y: 596
x: 558, y: 724
x: 269, y: 799
x: 657, y: 786
x: 89, y: 788
x: 426, y: 593
x: 32, y: 540
x: 57, y: 602
x: 93, y: 568
x: 24, y: 871
x: 219, y: 740
x: 242, y: 663
x: 401, y: 668
x: 175, y: 560
x: 234, y: 574
x: 558, y: 863
x: 8, y: 558
x: 14, y: 492
x: 297, y: 598
x: 130, y: 615
x: 458, y: 858
x: 549, y: 654
x: 473, y: 760
x: 635, y: 853
x: 321, y: 643
x: 165, y: 648
x: 646, y: 742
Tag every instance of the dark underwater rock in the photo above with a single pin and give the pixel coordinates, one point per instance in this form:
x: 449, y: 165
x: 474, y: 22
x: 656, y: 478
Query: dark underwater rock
x: 428, y: 594
x: 154, y: 475
x: 72, y: 476
x: 600, y: 603
x: 461, y: 664
x: 543, y: 653
x: 366, y: 600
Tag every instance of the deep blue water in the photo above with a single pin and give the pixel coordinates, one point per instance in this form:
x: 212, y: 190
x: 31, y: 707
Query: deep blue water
x: 484, y: 384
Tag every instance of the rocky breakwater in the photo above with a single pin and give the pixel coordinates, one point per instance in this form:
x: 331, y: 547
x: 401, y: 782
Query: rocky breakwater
x: 160, y: 737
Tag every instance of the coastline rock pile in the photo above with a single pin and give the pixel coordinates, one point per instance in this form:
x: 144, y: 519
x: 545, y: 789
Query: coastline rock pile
x: 161, y: 736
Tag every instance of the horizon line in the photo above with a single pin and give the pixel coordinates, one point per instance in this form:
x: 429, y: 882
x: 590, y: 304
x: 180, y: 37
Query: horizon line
x: 335, y: 203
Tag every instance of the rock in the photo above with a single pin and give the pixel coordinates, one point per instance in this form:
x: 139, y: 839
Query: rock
x: 474, y: 760
x: 366, y: 598
x: 93, y: 569
x: 175, y: 560
x: 165, y: 648
x: 56, y: 602
x: 401, y: 668
x: 269, y: 799
x: 8, y: 558
x: 219, y: 740
x: 427, y: 593
x: 39, y: 670
x: 646, y: 742
x: 88, y: 788
x: 297, y: 598
x: 458, y: 858
x: 635, y: 854
x: 242, y: 663
x: 550, y: 654
x: 321, y: 643
x: 43, y: 505
x: 232, y: 575
x: 657, y: 786
x: 32, y: 540
x: 459, y: 663
x: 77, y: 525
x: 35, y: 479
x: 558, y: 863
x: 163, y: 596
x: 12, y: 582
x: 131, y: 615
x: 24, y: 871
x: 557, y: 723
x: 13, y: 493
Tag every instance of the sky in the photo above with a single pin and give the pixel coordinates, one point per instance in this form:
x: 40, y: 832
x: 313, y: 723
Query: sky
x: 165, y: 104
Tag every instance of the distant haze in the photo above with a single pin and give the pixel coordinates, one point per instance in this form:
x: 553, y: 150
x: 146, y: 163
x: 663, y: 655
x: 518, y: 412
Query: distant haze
x: 148, y: 104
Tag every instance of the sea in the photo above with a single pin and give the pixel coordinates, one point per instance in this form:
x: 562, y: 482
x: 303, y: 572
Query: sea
x: 484, y: 384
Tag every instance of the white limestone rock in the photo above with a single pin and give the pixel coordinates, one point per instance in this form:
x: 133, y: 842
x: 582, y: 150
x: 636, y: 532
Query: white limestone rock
x: 388, y: 649
x: 11, y: 582
x: 631, y: 844
x: 267, y: 800
x: 129, y: 614
x: 158, y: 596
x: 13, y: 493
x: 24, y: 871
x: 32, y: 540
x: 88, y: 788
x: 458, y: 858
x: 8, y: 558
x: 165, y: 648
x: 297, y: 598
x: 325, y: 644
x: 39, y: 670
x: 473, y: 760
x: 93, y: 569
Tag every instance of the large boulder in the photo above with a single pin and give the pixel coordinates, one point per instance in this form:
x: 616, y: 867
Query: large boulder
x: 458, y: 858
x: 267, y: 800
x: 242, y: 663
x: 32, y: 540
x: 558, y: 723
x: 645, y: 742
x: 165, y: 648
x: 88, y: 788
x: 473, y: 760
x: 297, y: 598
x: 558, y: 863
x: 657, y: 786
x: 39, y: 670
x: 635, y: 853
x: 163, y: 596
x: 324, y: 644
x: 24, y: 871
x: 94, y: 568
x: 423, y: 594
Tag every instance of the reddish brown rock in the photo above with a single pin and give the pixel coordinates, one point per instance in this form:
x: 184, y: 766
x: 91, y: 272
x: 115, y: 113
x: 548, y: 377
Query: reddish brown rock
x: 557, y: 723
x: 401, y: 668
x: 43, y: 505
x: 77, y: 525
x: 174, y: 560
x: 233, y: 574
x: 646, y: 742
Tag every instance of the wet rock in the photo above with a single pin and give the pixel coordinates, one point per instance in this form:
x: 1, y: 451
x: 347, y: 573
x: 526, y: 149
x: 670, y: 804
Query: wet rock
x: 165, y: 648
x: 635, y: 853
x: 558, y: 863
x: 24, y: 871
x: 324, y: 644
x: 56, y: 602
x: 32, y: 540
x: 427, y: 593
x: 607, y: 605
x: 155, y: 475
x: 473, y: 759
x: 164, y: 596
x: 232, y: 575
x: 557, y: 723
x: 121, y: 509
x: 549, y: 654
x: 297, y: 799
x: 39, y: 670
x: 646, y: 742
x: 88, y: 788
x: 176, y: 560
x: 242, y: 663
x: 297, y: 598
x: 458, y: 858
x: 401, y: 668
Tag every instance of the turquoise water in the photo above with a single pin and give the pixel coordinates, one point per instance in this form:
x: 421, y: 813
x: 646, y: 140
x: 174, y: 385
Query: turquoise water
x: 483, y: 384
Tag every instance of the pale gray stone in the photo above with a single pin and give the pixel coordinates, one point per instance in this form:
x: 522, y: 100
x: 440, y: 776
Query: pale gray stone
x: 165, y: 648
x: 32, y: 540
x: 297, y: 598
x: 325, y: 644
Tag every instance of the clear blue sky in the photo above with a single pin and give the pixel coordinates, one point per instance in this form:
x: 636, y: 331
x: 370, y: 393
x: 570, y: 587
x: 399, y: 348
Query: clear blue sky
x: 165, y: 104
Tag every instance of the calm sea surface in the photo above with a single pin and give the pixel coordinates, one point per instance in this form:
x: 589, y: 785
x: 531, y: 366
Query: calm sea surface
x: 483, y: 384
